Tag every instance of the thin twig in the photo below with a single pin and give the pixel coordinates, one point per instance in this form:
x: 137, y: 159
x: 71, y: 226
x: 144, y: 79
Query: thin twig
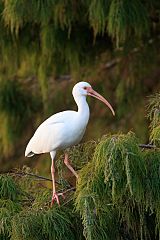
x: 20, y: 173
x: 149, y: 146
x: 67, y: 190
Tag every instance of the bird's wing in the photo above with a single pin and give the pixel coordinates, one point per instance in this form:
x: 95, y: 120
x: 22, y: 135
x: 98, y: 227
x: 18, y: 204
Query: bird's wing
x: 43, y: 139
x: 49, y: 134
x: 60, y: 117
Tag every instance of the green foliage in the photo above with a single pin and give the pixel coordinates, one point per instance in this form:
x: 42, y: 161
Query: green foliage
x: 8, y: 209
x: 8, y: 188
x: 14, y: 100
x: 62, y: 30
x: 154, y: 116
x: 10, y: 194
x: 29, y: 216
x: 127, y: 18
x: 17, y: 105
x: 56, y: 224
x: 79, y: 155
x: 16, y: 13
x: 117, y: 192
x: 120, y: 156
x: 113, y: 190
x: 122, y: 17
x: 153, y: 178
x: 117, y: 196
x: 26, y: 225
x: 98, y: 14
x: 53, y: 223
x: 44, y: 39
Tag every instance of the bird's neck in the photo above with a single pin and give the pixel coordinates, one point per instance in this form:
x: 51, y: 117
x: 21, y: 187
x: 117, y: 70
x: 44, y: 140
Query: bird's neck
x: 83, y: 108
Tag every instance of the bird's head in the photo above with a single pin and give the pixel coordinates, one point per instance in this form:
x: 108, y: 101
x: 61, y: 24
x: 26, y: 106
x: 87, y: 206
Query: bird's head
x: 85, y: 89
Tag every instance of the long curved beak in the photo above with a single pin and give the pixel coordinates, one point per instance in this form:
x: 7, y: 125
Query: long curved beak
x: 94, y: 94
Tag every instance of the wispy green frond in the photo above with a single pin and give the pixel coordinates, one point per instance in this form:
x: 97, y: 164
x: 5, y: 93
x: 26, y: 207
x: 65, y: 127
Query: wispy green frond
x: 152, y: 180
x: 126, y: 18
x: 119, y: 159
x: 49, y: 224
x: 56, y: 224
x: 26, y: 225
x: 112, y: 186
x: 17, y: 13
x: 8, y: 188
x: 98, y: 15
x: 154, y: 117
x: 8, y: 209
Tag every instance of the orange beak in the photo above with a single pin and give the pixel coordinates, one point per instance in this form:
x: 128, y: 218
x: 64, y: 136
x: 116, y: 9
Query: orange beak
x: 93, y: 93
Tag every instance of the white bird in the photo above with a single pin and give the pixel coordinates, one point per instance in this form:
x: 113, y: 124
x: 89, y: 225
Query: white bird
x: 64, y: 129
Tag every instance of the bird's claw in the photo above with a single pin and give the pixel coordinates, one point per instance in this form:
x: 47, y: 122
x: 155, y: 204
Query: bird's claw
x: 55, y: 197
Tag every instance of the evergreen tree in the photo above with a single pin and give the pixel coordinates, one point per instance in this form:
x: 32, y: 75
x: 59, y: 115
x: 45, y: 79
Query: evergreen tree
x: 117, y: 194
x: 42, y: 41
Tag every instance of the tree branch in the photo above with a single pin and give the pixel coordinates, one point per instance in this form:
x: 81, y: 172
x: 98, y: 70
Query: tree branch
x: 21, y: 173
x: 149, y: 146
x: 68, y: 190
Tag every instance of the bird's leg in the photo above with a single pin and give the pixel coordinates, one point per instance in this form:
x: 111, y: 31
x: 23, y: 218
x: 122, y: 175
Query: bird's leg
x: 67, y: 163
x: 54, y: 195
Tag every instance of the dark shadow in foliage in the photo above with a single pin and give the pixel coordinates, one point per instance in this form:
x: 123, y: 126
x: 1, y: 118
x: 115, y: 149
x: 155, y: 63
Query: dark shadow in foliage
x: 17, y: 105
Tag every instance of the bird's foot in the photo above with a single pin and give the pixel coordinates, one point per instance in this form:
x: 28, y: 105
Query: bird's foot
x: 55, y: 197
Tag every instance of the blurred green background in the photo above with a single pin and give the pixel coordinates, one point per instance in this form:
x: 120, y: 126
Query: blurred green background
x: 48, y: 46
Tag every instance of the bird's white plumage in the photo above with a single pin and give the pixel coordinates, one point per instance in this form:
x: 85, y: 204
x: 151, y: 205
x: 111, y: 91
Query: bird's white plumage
x: 63, y: 129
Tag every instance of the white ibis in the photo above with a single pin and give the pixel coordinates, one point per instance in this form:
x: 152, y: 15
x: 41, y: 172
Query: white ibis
x: 64, y: 129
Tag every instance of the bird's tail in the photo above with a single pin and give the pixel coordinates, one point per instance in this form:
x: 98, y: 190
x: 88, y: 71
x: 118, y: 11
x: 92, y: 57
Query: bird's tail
x: 28, y: 151
x: 30, y: 154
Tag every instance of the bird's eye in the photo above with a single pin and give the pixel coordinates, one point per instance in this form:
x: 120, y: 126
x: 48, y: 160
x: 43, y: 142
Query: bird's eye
x: 85, y: 88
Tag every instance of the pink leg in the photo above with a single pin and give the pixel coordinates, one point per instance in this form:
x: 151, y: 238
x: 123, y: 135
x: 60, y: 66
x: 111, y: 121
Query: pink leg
x: 66, y: 162
x: 54, y: 195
